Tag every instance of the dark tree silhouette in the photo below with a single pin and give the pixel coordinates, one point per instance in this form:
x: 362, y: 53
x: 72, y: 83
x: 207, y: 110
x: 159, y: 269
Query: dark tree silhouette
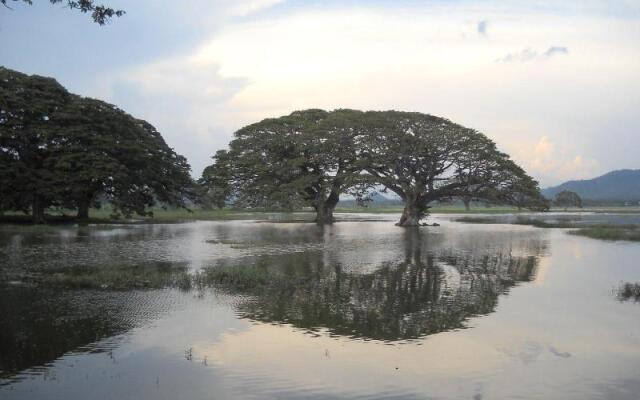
x: 60, y: 149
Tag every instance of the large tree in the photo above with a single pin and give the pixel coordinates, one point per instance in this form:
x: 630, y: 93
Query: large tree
x: 305, y: 158
x: 61, y: 149
x: 100, y: 13
x: 100, y: 151
x: 215, y: 185
x: 423, y: 158
x: 567, y: 198
x: 27, y: 104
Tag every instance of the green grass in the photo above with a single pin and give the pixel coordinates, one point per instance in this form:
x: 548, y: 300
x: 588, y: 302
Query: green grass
x: 519, y: 221
x: 236, y: 277
x: 116, y: 278
x: 612, y: 232
x: 171, y: 215
x: 595, y: 231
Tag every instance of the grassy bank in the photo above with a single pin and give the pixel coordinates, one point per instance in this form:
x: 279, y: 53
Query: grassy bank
x: 629, y: 233
x: 160, y: 215
x: 595, y: 231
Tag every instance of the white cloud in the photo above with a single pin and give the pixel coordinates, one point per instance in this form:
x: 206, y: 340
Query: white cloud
x: 529, y: 54
x: 418, y: 58
x: 554, y: 163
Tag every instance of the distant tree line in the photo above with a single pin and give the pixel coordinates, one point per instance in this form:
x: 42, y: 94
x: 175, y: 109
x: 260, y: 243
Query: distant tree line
x: 567, y: 198
x: 311, y: 157
x: 61, y: 149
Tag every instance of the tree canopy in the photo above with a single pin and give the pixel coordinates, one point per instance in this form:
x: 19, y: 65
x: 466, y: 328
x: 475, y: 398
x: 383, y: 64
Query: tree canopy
x: 306, y: 158
x: 567, y: 198
x: 100, y: 14
x: 423, y: 158
x: 311, y: 157
x: 60, y: 149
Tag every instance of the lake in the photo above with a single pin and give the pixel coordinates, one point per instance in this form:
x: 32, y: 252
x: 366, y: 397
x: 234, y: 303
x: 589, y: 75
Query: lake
x: 361, y: 309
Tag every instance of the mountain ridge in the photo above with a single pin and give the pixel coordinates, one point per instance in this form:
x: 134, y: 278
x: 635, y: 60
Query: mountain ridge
x: 617, y: 185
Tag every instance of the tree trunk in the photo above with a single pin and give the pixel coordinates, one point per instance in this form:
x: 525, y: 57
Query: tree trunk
x: 324, y: 209
x: 412, y: 213
x: 467, y: 203
x: 37, y: 210
x: 83, y: 210
x: 324, y: 215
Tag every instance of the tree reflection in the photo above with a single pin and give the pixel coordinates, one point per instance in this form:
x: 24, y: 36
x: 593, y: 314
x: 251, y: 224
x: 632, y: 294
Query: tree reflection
x: 428, y: 290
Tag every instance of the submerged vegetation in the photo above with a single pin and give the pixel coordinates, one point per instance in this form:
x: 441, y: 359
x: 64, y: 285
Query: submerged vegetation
x: 595, y: 231
x: 628, y: 291
x: 610, y: 232
x: 153, y: 276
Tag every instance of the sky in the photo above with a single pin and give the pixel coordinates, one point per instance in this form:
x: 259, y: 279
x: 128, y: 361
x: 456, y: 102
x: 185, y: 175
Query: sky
x: 556, y: 84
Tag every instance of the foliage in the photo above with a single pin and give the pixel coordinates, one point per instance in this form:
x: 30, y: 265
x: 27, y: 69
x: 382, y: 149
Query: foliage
x: 215, y: 184
x: 311, y: 157
x: 305, y: 158
x: 59, y: 149
x: 567, y: 198
x: 27, y: 104
x: 99, y: 13
x: 423, y: 158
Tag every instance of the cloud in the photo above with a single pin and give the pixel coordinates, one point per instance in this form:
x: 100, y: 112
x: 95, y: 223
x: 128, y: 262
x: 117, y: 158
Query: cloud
x: 378, y: 57
x: 529, y: 54
x: 551, y: 162
x: 554, y: 51
x: 482, y: 27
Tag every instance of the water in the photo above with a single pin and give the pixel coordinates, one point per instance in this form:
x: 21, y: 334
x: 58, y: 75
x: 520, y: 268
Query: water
x: 362, y: 309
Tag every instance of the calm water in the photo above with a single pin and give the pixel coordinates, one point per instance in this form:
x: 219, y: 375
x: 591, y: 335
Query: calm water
x: 362, y: 309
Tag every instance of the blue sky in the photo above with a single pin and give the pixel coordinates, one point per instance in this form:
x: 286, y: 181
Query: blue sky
x: 555, y: 84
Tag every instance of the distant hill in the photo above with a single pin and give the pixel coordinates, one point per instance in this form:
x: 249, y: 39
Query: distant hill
x: 377, y: 200
x: 622, y: 185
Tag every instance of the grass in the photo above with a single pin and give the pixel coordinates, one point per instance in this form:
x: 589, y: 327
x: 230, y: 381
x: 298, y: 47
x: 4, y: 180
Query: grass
x: 628, y: 291
x: 236, y: 277
x: 172, y: 215
x: 595, y: 231
x: 117, y: 278
x: 519, y: 221
x: 160, y: 276
x: 612, y: 232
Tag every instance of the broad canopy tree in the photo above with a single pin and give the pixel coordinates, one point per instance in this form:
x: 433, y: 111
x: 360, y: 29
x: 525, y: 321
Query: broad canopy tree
x: 312, y: 157
x: 59, y: 149
x: 27, y: 104
x: 306, y: 158
x: 423, y: 158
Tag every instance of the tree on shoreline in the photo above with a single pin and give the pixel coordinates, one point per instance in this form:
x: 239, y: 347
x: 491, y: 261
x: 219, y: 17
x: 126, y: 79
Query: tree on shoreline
x: 567, y: 199
x: 59, y: 149
x: 311, y: 157
x: 423, y: 158
x: 306, y: 158
x: 27, y: 104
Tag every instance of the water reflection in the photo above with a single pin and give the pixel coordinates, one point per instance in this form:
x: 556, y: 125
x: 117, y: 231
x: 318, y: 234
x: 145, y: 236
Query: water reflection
x: 41, y: 324
x: 342, y: 312
x: 429, y: 288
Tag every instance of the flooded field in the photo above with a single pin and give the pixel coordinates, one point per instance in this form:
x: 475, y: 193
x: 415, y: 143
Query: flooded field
x: 361, y: 309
